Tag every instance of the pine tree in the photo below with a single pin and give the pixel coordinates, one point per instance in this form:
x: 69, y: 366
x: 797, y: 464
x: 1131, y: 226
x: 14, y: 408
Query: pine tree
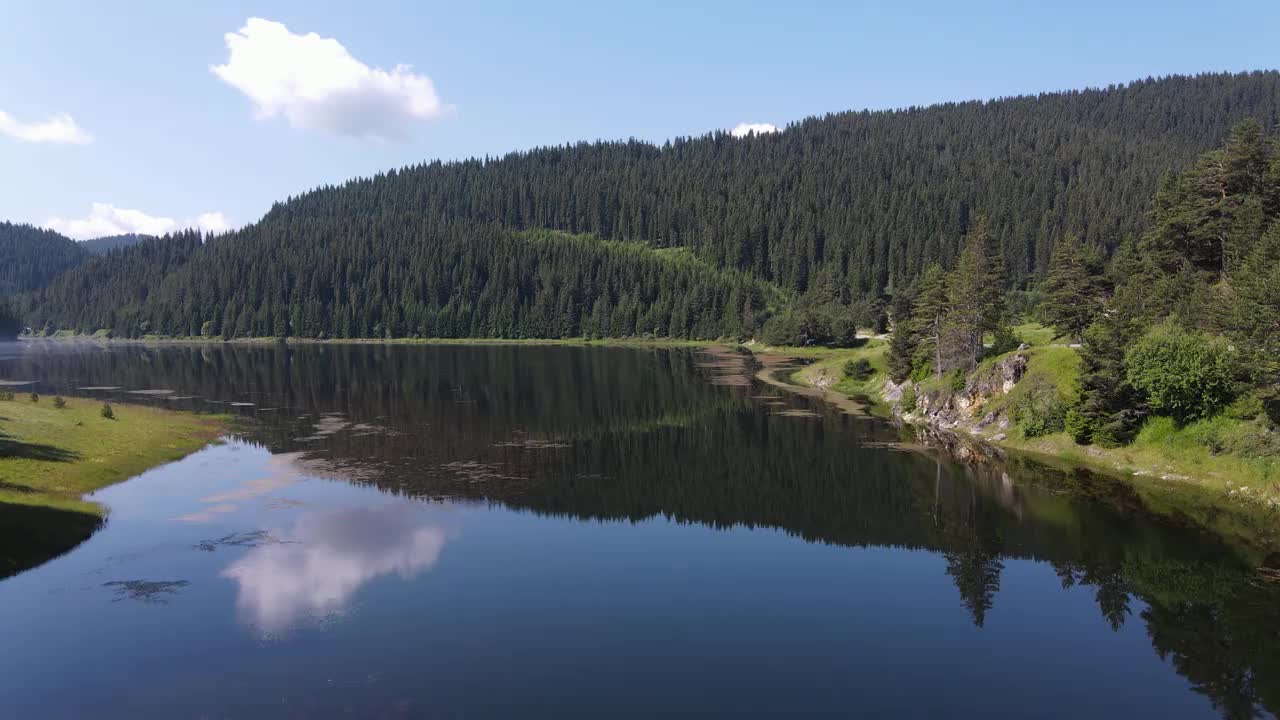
x: 1076, y: 288
x: 929, y: 317
x: 975, y: 295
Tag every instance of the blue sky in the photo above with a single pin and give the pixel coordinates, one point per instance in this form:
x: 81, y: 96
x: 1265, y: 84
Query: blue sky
x: 120, y: 104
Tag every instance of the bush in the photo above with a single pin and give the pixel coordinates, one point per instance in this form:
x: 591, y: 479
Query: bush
x: 208, y: 329
x: 908, y: 400
x: 1077, y: 425
x: 1039, y: 411
x: 1246, y: 407
x: 1003, y: 340
x: 843, y: 330
x: 107, y: 412
x: 6, y: 395
x: 59, y: 402
x: 858, y: 370
x: 35, y: 397
x: 1185, y: 375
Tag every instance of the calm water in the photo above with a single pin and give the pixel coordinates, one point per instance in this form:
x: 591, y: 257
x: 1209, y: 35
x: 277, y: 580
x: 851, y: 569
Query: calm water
x: 584, y: 532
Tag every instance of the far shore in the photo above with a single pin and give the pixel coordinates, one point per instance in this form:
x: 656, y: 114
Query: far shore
x: 190, y: 340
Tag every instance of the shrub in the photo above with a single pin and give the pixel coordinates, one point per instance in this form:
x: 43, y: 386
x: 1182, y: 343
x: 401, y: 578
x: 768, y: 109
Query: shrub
x: 843, y: 330
x: 208, y: 329
x: 1003, y: 340
x: 6, y: 395
x: 858, y: 370
x: 35, y: 397
x: 107, y: 412
x: 59, y: 402
x: 1038, y: 411
x: 1185, y: 375
x: 957, y: 379
x: 1246, y: 407
x: 1077, y: 425
x: 908, y: 400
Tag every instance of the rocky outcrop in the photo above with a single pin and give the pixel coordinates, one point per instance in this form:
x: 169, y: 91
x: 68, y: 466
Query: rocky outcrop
x: 949, y: 409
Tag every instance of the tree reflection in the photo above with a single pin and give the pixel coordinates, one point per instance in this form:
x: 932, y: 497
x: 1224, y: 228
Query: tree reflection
x: 633, y: 434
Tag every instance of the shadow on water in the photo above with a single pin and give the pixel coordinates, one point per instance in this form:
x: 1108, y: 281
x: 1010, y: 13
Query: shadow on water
x: 31, y: 535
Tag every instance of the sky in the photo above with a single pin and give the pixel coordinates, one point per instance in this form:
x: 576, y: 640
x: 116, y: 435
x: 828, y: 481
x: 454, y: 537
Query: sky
x: 150, y: 116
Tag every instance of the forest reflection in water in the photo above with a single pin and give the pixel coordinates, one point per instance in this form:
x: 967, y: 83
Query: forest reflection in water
x: 624, y: 434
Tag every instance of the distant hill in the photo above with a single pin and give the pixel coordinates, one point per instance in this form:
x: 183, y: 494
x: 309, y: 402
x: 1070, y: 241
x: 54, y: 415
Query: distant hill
x: 834, y: 211
x: 30, y: 257
x: 103, y: 245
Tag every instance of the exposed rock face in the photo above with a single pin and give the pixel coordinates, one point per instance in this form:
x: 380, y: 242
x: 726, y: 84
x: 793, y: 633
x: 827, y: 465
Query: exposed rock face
x: 948, y: 409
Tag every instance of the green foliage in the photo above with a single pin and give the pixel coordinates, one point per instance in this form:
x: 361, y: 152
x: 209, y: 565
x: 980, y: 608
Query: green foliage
x: 208, y: 329
x: 1211, y: 258
x: 908, y: 400
x: 1075, y: 289
x: 59, y: 402
x: 30, y: 257
x: 1003, y: 340
x: 717, y: 230
x: 812, y: 325
x: 10, y: 323
x: 6, y: 395
x: 1246, y: 407
x: 1024, y: 303
x: 858, y: 369
x: 1077, y: 425
x: 107, y: 412
x: 975, y: 300
x: 1185, y: 375
x: 34, y: 397
x: 1038, y: 410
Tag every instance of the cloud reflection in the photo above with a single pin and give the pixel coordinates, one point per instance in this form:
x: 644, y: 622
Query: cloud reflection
x: 331, y: 556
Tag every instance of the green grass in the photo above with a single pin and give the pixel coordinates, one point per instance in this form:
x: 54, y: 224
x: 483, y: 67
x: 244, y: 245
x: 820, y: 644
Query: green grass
x: 827, y: 370
x: 1037, y: 335
x: 51, y: 457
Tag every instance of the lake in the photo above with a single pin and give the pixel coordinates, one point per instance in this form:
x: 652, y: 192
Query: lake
x: 561, y: 531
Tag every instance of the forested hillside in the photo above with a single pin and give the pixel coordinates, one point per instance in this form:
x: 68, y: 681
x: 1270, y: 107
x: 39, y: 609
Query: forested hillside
x: 30, y: 257
x: 819, y: 224
x: 1182, y: 324
x: 861, y: 199
x: 400, y: 277
x: 104, y: 245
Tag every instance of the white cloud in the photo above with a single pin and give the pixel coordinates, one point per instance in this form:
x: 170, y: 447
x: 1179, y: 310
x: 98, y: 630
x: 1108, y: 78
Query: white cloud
x: 327, y: 558
x: 106, y: 219
x: 744, y: 129
x: 315, y: 83
x: 60, y: 128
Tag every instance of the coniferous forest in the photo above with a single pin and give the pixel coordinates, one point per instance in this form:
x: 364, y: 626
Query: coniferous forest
x: 797, y: 235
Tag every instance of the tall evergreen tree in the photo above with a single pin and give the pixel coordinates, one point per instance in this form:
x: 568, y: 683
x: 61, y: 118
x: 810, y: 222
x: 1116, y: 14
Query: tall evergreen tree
x: 1076, y: 287
x: 975, y: 298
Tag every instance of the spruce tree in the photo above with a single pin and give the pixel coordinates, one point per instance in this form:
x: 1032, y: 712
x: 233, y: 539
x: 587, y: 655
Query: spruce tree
x: 1075, y: 288
x: 975, y: 295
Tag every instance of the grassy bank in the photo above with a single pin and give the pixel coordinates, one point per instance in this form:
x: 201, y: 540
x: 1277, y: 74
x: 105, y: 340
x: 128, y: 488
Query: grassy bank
x: 51, y: 457
x: 1219, y: 472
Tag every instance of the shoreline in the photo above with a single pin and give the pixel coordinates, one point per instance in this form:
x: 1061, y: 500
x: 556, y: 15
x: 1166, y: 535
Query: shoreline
x: 1226, y: 506
x: 572, y: 342
x: 53, y: 457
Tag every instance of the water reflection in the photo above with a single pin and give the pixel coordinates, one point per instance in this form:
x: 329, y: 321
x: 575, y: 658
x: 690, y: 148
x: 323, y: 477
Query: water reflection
x: 632, y: 435
x: 316, y: 567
